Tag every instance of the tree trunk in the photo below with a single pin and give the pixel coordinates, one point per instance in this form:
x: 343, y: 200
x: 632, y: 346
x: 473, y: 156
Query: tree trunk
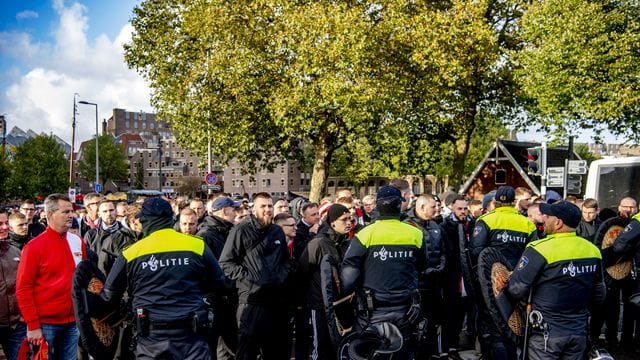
x: 322, y: 158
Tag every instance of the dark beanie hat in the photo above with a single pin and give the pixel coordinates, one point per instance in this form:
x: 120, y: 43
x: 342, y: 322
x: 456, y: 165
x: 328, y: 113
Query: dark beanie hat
x: 335, y: 211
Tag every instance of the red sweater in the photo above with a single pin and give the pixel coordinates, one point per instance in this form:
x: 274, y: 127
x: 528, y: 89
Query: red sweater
x: 45, y: 273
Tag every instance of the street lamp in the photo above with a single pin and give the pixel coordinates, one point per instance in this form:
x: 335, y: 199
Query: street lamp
x: 97, y: 184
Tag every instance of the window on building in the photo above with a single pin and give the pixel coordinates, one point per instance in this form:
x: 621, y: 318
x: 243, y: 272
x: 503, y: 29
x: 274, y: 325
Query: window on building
x: 149, y: 175
x: 302, y: 182
x: 281, y: 169
x: 144, y: 125
x: 191, y: 164
x: 147, y: 166
x: 182, y: 154
x: 146, y: 184
x: 290, y: 182
x: 152, y: 125
x: 127, y: 124
x: 135, y: 124
x: 282, y: 182
x: 291, y: 169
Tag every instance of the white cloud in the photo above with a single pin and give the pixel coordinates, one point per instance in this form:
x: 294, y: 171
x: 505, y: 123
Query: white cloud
x: 42, y: 98
x: 27, y: 14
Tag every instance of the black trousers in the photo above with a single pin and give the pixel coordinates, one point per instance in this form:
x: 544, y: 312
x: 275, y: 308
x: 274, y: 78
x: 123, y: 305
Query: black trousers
x: 179, y: 344
x: 323, y: 348
x: 224, y: 340
x: 492, y: 344
x: 570, y: 347
x: 606, y: 314
x: 262, y: 329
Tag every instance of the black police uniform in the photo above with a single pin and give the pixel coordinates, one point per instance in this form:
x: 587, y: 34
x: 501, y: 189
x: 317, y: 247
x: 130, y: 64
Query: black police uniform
x: 565, y: 273
x: 507, y: 230
x: 165, y: 274
x: 386, y: 258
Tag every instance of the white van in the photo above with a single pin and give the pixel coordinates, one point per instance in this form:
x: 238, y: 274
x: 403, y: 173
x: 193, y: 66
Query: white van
x: 611, y: 179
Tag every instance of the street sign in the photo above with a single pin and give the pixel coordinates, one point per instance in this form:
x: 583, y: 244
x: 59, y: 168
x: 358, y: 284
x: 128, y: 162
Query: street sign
x: 574, y: 184
x: 555, y: 176
x: 211, y: 179
x: 72, y: 195
x: 214, y: 188
x: 577, y: 167
x: 555, y: 170
x: 555, y: 183
x: 98, y: 188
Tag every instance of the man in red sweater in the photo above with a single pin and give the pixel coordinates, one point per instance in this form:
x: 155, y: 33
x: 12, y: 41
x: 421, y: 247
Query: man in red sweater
x: 44, y: 281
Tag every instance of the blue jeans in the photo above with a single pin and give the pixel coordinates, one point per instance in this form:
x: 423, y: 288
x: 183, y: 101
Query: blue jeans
x: 10, y: 339
x: 62, y: 340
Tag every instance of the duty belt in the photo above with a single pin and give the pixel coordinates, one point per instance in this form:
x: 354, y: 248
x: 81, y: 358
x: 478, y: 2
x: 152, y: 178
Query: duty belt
x: 171, y: 325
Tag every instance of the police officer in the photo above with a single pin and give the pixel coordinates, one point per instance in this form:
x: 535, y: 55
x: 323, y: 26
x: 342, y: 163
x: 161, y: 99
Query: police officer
x: 386, y: 258
x: 166, y: 274
x: 507, y: 230
x: 563, y: 272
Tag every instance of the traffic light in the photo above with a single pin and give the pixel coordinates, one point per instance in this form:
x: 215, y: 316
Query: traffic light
x: 534, y: 160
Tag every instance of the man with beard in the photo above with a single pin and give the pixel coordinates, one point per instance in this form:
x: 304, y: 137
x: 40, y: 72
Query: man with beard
x: 18, y: 230
x: 255, y: 256
x: 457, y: 227
x: 332, y: 240
x: 100, y: 237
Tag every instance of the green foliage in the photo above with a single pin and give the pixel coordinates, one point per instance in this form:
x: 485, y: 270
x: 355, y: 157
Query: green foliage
x: 386, y: 82
x: 580, y: 65
x: 139, y: 179
x: 112, y: 160
x: 583, y: 151
x: 39, y: 167
x: 5, y: 174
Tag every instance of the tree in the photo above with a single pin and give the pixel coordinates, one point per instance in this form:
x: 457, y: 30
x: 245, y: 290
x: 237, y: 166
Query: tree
x: 111, y: 160
x: 39, y: 168
x: 260, y: 78
x: 139, y: 179
x: 580, y: 65
x: 191, y: 186
x: 5, y: 174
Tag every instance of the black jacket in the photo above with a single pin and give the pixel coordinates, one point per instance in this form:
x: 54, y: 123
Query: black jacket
x: 588, y: 230
x: 302, y: 238
x: 166, y: 273
x: 100, y: 241
x: 257, y: 259
x: 433, y: 237
x: 18, y: 240
x: 35, y: 228
x: 214, y: 231
x: 327, y: 242
x: 114, y: 245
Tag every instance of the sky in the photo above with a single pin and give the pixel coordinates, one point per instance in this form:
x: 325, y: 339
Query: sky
x: 51, y: 50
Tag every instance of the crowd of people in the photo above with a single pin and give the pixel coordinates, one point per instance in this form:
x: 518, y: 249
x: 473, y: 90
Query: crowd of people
x: 240, y: 278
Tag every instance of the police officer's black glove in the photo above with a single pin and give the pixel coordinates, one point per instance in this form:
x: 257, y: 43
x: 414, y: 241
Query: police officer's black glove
x: 413, y: 314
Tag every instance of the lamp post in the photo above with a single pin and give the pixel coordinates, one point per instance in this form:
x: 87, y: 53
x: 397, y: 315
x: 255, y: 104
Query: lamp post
x: 73, y: 141
x: 97, y: 184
